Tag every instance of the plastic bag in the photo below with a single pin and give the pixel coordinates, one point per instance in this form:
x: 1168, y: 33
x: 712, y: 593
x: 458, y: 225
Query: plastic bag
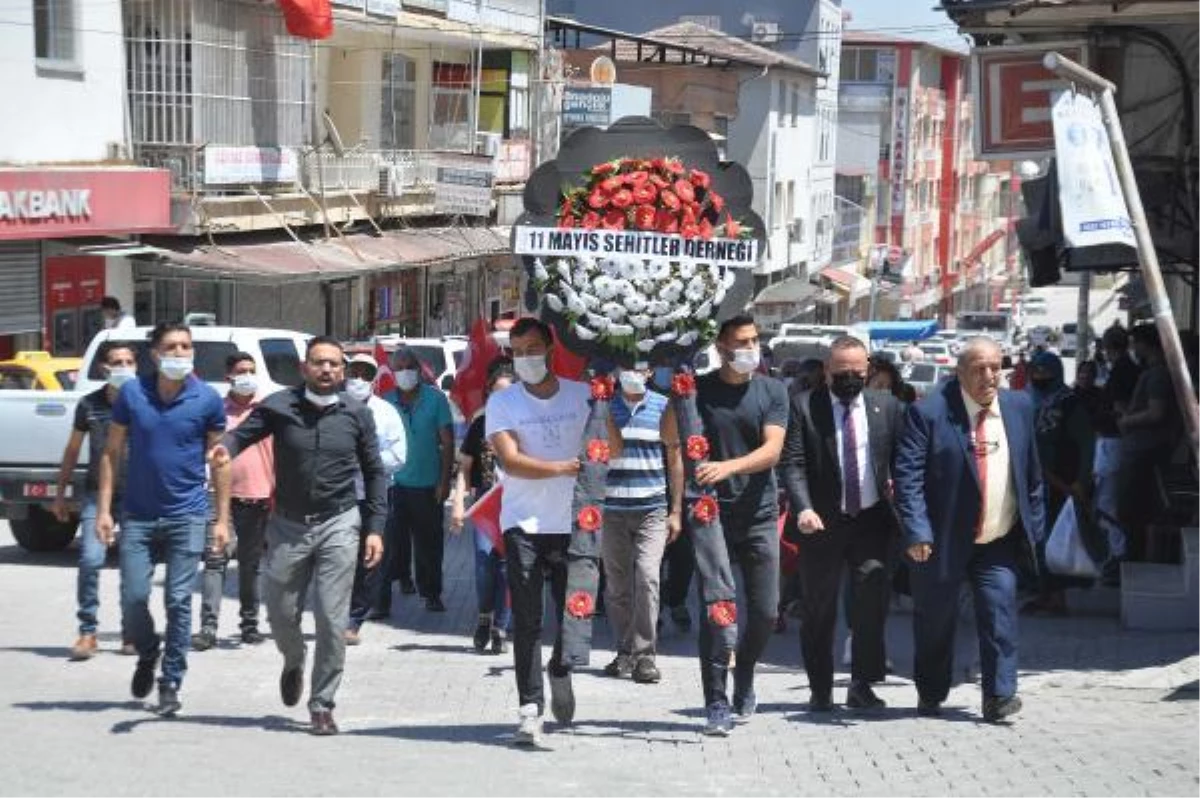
x: 1065, y: 553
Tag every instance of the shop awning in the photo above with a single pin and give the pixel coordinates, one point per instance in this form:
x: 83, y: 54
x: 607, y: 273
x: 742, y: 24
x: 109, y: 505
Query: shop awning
x: 899, y: 330
x: 276, y: 257
x: 848, y: 282
x: 793, y: 290
x: 828, y: 297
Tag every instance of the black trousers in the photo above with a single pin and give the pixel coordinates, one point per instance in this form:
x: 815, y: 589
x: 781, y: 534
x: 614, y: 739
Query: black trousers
x: 678, y: 565
x: 531, y: 560
x: 753, y: 546
x: 864, y: 543
x: 415, y: 535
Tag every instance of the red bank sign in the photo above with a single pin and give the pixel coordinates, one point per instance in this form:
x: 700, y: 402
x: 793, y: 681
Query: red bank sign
x: 1013, y: 90
x: 59, y: 203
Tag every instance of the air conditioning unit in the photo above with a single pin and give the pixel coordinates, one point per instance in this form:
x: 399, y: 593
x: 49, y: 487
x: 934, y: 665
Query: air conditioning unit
x: 395, y: 180
x: 488, y: 144
x: 764, y: 32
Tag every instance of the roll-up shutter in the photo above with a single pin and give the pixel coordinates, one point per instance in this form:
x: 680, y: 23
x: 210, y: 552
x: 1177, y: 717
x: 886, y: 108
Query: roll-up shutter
x: 20, y: 287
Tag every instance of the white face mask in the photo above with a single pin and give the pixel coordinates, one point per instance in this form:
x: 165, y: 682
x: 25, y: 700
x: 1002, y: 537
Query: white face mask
x: 358, y: 389
x: 175, y: 368
x: 119, y: 375
x: 744, y: 361
x: 320, y: 399
x: 407, y: 379
x: 245, y: 385
x: 530, y: 369
x: 632, y: 382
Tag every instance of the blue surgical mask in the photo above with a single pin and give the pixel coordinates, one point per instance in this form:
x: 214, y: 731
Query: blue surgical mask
x: 175, y: 368
x: 119, y: 375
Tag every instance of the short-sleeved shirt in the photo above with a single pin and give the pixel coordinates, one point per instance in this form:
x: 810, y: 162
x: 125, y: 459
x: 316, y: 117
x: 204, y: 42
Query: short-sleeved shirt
x: 483, y: 458
x: 546, y: 429
x: 1154, y: 385
x: 93, y: 414
x: 637, y: 480
x: 423, y: 421
x: 733, y: 418
x: 167, y: 446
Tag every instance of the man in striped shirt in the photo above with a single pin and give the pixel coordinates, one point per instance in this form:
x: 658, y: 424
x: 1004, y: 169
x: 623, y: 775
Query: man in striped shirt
x: 637, y: 523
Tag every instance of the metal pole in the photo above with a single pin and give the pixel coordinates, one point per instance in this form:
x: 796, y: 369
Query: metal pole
x: 1156, y: 290
x: 1083, y: 335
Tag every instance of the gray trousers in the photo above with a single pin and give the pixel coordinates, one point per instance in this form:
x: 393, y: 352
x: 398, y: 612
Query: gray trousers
x: 632, y: 548
x: 324, y: 556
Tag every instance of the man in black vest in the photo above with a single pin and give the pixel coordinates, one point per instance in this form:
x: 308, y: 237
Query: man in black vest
x: 837, y: 469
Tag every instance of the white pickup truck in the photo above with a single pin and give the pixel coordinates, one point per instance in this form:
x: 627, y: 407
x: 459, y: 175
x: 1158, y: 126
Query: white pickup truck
x: 35, y: 425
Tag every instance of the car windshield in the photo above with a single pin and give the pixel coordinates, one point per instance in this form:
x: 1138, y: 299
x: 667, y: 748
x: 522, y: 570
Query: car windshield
x: 66, y: 379
x: 209, y: 360
x: 922, y: 372
x: 432, y: 356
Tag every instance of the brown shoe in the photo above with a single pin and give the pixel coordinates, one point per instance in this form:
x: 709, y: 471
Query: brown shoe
x: 84, y: 648
x: 351, y: 637
x: 323, y: 724
x: 128, y: 649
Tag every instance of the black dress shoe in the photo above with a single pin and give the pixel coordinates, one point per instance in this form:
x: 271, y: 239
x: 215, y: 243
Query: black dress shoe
x: 407, y: 587
x: 143, y: 676
x: 291, y: 685
x: 861, y: 696
x: 996, y: 709
x: 928, y: 709
x: 252, y: 637
x: 323, y: 724
x: 822, y: 702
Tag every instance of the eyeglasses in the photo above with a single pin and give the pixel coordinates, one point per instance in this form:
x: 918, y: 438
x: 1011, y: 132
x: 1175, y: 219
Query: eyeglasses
x: 986, y: 448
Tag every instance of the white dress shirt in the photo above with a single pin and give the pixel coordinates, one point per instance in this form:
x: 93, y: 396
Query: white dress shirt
x: 868, y: 491
x: 393, y: 442
x: 1000, y: 501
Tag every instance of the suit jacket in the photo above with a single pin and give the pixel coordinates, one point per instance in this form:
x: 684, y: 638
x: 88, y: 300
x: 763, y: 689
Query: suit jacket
x: 812, y: 471
x: 938, y: 495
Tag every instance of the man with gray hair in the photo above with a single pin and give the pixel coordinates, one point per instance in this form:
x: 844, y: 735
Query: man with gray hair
x: 969, y: 498
x: 419, y: 488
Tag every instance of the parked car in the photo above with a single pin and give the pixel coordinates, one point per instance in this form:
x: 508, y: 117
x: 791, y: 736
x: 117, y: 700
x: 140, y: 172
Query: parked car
x: 39, y: 371
x: 937, y: 353
x: 35, y: 424
x: 923, y: 377
x: 441, y: 355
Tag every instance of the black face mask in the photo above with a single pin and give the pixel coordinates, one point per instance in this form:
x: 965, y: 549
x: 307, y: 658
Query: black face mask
x: 847, y: 386
x: 1042, y: 384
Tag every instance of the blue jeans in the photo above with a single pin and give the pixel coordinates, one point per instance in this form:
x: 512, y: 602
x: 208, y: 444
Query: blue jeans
x: 179, y: 542
x: 491, y: 580
x: 91, y: 560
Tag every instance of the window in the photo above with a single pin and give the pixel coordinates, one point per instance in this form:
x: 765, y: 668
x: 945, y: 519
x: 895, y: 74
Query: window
x: 860, y: 65
x: 282, y: 360
x: 54, y: 30
x: 795, y: 106
x: 451, y: 100
x: 782, y: 101
x: 397, y: 122
x: 777, y: 205
x: 790, y: 207
x: 209, y: 358
x: 17, y: 379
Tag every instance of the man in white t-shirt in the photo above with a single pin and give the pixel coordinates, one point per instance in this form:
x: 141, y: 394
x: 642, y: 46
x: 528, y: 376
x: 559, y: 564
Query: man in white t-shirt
x: 536, y: 428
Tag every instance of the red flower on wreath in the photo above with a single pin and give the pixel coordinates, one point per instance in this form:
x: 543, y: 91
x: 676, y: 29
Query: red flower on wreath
x: 701, y: 179
x: 643, y: 217
x: 613, y: 220
x: 665, y: 222
x: 590, y: 518
x: 622, y: 198
x: 683, y: 384
x: 580, y: 604
x: 610, y: 184
x: 705, y: 509
x: 566, y: 221
x: 669, y: 200
x: 597, y: 199
x: 598, y: 451
x: 590, y: 221
x: 602, y: 388
x: 716, y: 201
x: 706, y: 229
x: 645, y: 194
x: 696, y: 447
x: 601, y: 169
x: 685, y: 191
x: 722, y: 613
x: 732, y: 228
x: 689, y: 230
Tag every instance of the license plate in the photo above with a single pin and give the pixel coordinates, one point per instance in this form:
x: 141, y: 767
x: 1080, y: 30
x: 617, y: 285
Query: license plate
x: 44, y: 490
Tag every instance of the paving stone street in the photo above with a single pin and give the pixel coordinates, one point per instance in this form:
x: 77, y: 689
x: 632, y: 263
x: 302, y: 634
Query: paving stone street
x: 1107, y: 712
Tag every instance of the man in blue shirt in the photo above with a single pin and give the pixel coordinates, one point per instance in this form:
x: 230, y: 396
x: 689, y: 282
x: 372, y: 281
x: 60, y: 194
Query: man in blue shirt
x: 170, y: 419
x: 420, y: 488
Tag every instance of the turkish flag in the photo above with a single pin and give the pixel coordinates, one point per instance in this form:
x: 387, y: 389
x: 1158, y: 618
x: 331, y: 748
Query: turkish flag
x: 566, y: 363
x: 384, y: 381
x: 308, y: 19
x: 470, y: 381
x: 485, y: 515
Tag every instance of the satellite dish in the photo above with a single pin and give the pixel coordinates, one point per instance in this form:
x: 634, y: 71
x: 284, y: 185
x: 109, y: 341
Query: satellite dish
x: 332, y: 136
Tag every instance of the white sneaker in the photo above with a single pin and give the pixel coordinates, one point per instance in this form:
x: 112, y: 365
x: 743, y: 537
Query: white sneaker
x: 529, y: 730
x: 847, y: 652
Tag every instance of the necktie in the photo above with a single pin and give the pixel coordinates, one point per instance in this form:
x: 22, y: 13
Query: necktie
x: 981, y: 455
x: 853, y: 490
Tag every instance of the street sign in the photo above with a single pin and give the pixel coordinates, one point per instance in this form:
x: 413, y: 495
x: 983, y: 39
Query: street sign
x: 1013, y: 90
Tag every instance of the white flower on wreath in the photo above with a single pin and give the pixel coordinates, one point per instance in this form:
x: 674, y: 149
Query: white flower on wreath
x: 620, y: 329
x: 667, y: 337
x: 563, y: 267
x: 592, y: 301
x: 613, y: 311
x: 539, y: 270
x: 656, y: 307
x: 728, y: 278
x: 687, y: 269
x: 688, y: 338
x: 635, y: 302
x: 584, y: 332
x: 553, y: 302
x: 646, y: 344
x: 610, y: 267
x: 714, y: 271
x: 598, y: 322
x: 672, y: 291
x: 658, y: 269
x: 705, y: 310
x: 696, y: 289
x: 640, y: 320
x: 576, y: 306
x: 604, y: 287
x: 719, y: 296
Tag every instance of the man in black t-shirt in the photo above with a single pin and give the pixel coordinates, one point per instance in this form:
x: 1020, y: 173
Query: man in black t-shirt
x: 745, y: 417
x: 92, y: 417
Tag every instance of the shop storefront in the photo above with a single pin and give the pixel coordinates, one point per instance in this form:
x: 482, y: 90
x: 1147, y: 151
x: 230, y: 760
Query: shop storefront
x: 49, y: 294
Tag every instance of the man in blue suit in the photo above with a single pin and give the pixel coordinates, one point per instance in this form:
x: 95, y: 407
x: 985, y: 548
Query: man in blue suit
x: 969, y: 497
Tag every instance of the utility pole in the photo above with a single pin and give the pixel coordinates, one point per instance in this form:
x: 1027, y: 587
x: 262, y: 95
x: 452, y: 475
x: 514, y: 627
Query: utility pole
x: 1156, y: 290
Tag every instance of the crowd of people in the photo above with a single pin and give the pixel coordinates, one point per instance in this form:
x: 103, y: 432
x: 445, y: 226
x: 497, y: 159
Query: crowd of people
x: 337, y: 495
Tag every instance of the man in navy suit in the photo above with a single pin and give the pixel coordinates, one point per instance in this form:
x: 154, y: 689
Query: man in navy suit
x: 969, y: 496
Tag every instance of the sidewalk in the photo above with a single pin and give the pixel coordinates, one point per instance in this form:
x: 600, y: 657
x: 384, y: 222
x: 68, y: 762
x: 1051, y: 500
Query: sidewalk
x: 1106, y: 712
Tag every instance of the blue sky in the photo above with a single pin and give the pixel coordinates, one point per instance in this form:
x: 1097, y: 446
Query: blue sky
x: 912, y: 19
